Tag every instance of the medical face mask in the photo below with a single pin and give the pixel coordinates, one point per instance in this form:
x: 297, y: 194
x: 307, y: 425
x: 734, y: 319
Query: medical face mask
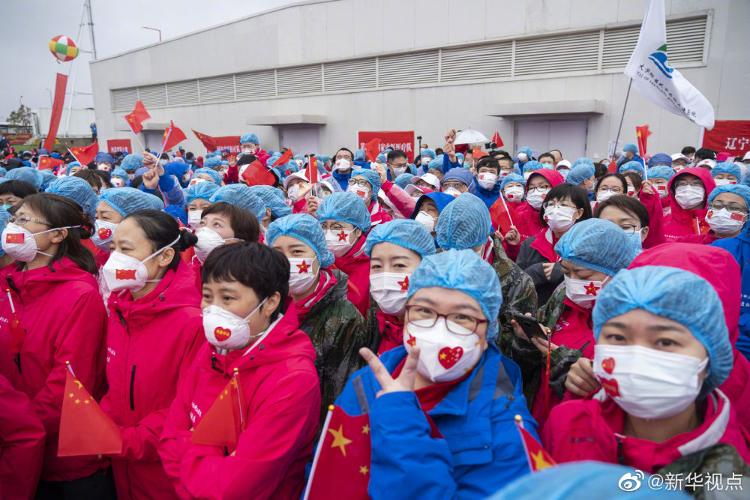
x: 360, y: 191
x: 104, y: 230
x: 399, y: 170
x: 514, y: 194
x: 293, y: 192
x: 226, y: 330
x: 125, y: 272
x: 389, y: 291
x: 604, y: 195
x: 427, y: 220
x: 662, y: 189
x: 342, y: 164
x: 301, y: 274
x: 194, y: 218
x: 452, y: 191
x: 564, y: 172
x: 20, y: 244
x: 337, y: 241
x: 487, y: 180
x: 689, y: 197
x: 724, y: 182
x: 248, y: 149
x: 583, y: 292
x: 523, y: 157
x: 648, y: 383
x: 725, y: 222
x: 424, y: 161
x: 560, y: 218
x: 535, y: 197
x: 208, y: 239
x: 443, y: 355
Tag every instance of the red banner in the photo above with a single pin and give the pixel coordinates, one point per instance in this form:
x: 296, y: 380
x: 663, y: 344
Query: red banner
x: 230, y: 142
x: 119, y: 146
x: 57, y: 107
x: 732, y: 136
x: 403, y: 140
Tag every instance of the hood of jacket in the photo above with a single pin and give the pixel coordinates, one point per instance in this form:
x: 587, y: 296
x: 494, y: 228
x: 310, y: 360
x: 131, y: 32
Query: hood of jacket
x: 680, y: 213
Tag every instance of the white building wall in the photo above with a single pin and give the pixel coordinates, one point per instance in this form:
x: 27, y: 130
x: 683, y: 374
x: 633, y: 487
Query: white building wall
x: 339, y: 29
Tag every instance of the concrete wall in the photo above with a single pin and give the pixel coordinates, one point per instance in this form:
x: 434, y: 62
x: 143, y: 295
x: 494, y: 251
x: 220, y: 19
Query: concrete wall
x: 340, y: 29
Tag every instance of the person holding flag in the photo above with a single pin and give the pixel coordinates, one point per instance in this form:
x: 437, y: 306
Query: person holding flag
x: 366, y: 185
x: 688, y: 195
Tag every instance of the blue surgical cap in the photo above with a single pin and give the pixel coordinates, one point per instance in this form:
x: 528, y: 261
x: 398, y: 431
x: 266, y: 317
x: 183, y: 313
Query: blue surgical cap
x: 120, y: 173
x: 510, y: 178
x: 104, y: 157
x: 200, y: 191
x: 406, y: 233
x: 464, y: 223
x: 532, y: 165
x: 436, y: 163
x: 345, y: 207
x: 213, y: 174
x: 465, y: 272
x: 738, y: 189
x: 404, y: 180
x: 3, y: 171
x: 727, y: 167
x: 249, y: 138
x: 132, y: 162
x: 579, y: 172
x: 632, y: 166
x: 4, y: 217
x: 458, y: 174
x: 176, y: 168
x: 677, y: 295
x: 127, y: 200
x: 359, y: 155
x: 370, y: 176
x: 305, y: 228
x: 661, y: 172
x: 660, y: 159
x: 428, y: 152
x: 630, y: 148
x: 381, y: 158
x: 597, y: 244
x: 47, y: 178
x: 240, y: 196
x: 212, y: 163
x: 70, y: 166
x: 78, y: 190
x: 26, y: 174
x: 274, y: 199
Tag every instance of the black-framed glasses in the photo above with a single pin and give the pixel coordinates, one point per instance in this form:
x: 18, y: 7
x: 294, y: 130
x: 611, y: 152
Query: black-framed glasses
x: 359, y: 182
x: 732, y: 207
x: 457, y: 323
x: 24, y: 220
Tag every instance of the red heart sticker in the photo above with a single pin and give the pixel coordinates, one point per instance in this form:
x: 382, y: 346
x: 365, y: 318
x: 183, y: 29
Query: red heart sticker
x: 609, y: 365
x: 449, y: 356
x: 610, y: 386
x: 105, y: 233
x: 222, y: 333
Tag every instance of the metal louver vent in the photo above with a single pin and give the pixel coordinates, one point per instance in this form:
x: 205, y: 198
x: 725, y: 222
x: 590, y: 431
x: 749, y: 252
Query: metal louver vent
x: 618, y: 45
x: 408, y: 69
x: 350, y: 75
x: 476, y: 62
x: 557, y: 54
x: 124, y: 99
x: 182, y: 93
x: 218, y: 88
x: 255, y: 85
x: 300, y: 80
x: 153, y: 95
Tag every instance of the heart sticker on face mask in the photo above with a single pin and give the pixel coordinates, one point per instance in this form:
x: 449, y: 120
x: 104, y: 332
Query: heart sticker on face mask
x: 608, y: 365
x: 105, y: 233
x: 610, y: 387
x: 222, y: 333
x: 412, y: 340
x: 449, y: 356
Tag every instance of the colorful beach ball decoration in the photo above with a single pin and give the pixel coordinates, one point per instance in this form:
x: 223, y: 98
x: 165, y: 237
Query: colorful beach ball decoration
x: 63, y: 48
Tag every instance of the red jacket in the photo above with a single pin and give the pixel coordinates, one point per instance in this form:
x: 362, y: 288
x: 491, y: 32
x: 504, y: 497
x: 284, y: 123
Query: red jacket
x: 280, y: 397
x: 64, y: 319
x: 592, y: 430
x: 21, y: 444
x: 682, y: 225
x: 149, y: 343
x: 652, y: 202
x: 356, y: 264
x: 377, y: 214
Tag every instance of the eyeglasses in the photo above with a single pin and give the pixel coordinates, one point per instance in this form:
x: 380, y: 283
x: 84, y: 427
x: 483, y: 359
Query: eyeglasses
x: 538, y: 190
x: 359, y: 182
x: 631, y: 229
x: 556, y: 204
x: 454, y: 185
x: 23, y: 221
x: 732, y: 207
x: 617, y: 190
x: 458, y: 323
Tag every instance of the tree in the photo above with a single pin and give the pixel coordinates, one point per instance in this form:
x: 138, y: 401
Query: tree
x: 21, y: 116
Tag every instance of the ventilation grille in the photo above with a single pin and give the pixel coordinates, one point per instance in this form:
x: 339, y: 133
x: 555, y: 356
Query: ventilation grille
x: 124, y: 99
x: 255, y: 85
x: 153, y: 95
x: 300, y: 80
x: 408, y: 69
x: 219, y: 88
x: 557, y: 54
x: 182, y: 93
x: 350, y: 75
x: 476, y: 62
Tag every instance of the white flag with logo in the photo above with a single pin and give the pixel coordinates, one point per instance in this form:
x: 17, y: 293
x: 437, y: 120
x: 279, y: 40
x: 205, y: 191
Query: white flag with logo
x: 654, y: 78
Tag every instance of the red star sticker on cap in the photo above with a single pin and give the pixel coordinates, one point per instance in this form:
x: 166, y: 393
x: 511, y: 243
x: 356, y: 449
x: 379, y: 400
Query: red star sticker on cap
x: 303, y: 267
x: 343, y: 235
x: 412, y: 341
x: 591, y: 289
x: 404, y: 284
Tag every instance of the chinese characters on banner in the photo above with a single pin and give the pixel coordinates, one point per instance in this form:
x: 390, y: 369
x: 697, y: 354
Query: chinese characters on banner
x: 119, y: 146
x: 403, y: 140
x: 732, y: 136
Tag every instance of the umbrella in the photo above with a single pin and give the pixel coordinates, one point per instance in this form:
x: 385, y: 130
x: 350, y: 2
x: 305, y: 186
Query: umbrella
x: 470, y: 136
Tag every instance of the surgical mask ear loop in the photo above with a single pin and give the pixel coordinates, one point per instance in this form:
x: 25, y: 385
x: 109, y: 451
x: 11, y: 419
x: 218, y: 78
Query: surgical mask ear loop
x: 157, y: 253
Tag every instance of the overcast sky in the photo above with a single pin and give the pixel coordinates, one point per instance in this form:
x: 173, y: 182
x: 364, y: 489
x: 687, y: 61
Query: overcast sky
x: 28, y: 25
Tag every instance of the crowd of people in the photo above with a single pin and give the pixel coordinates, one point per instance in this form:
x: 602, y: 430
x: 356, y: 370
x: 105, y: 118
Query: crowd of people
x: 605, y: 304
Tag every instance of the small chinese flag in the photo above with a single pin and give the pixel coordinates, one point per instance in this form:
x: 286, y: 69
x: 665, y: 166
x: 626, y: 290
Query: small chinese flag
x: 14, y: 238
x: 49, y: 163
x: 257, y: 174
x: 172, y: 137
x: 500, y: 215
x: 612, y: 168
x: 207, y: 141
x: 701, y: 227
x: 84, y: 428
x: 312, y: 170
x: 221, y: 425
x: 85, y: 154
x: 17, y: 331
x: 642, y: 132
x: 537, y: 456
x: 497, y: 139
x: 372, y: 149
x: 284, y: 158
x: 343, y: 452
x: 125, y: 274
x: 136, y: 117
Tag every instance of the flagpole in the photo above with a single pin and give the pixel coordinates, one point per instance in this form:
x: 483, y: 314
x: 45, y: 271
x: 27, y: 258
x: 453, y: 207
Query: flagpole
x: 318, y: 449
x: 74, y: 156
x: 138, y: 140
x: 622, y: 117
x: 70, y: 369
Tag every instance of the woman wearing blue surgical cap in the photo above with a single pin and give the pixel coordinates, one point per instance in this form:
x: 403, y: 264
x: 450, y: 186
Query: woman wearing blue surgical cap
x: 660, y: 355
x: 276, y: 206
x: 334, y: 325
x: 366, y: 184
x: 442, y: 417
x: 198, y: 198
x: 728, y: 207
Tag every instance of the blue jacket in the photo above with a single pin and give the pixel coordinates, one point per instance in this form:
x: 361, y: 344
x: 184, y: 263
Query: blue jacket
x: 739, y: 247
x: 447, y: 164
x: 489, y: 197
x: 481, y: 450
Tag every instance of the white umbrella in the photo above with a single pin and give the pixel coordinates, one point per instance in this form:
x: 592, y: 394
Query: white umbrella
x: 470, y: 136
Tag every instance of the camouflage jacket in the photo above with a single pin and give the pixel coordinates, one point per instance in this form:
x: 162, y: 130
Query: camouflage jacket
x: 337, y: 332
x: 706, y: 474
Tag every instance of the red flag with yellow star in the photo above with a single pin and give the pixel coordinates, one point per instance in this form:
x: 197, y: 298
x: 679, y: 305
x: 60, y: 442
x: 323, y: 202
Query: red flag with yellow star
x: 172, y: 137
x: 341, y: 467
x: 84, y: 428
x: 642, y: 132
x: 85, y: 154
x: 222, y: 423
x: 136, y: 117
x: 537, y: 456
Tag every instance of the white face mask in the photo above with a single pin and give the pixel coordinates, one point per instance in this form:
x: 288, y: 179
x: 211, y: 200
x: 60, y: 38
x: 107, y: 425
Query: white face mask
x: 363, y: 193
x: 208, y: 239
x: 104, y: 230
x: 647, y: 383
x: 725, y: 222
x: 226, y: 330
x: 535, y: 197
x: 443, y: 355
x: 523, y: 157
x: 564, y: 172
x: 453, y: 192
x: 514, y: 194
x: 125, y: 272
x: 342, y: 164
x: 425, y: 160
x: 487, y: 180
x: 301, y: 274
x: 427, y: 220
x: 399, y: 170
x: 118, y: 182
x: 194, y: 218
x: 583, y: 292
x: 724, y: 182
x: 20, y: 244
x: 389, y: 291
x: 337, y: 241
x: 604, y: 195
x: 248, y: 149
x: 105, y: 167
x: 560, y: 219
x: 293, y: 192
x: 689, y: 197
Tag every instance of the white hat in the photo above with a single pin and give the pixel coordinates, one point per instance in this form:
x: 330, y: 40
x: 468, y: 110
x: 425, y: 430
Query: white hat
x: 295, y: 175
x: 563, y: 163
x: 746, y: 157
x: 411, y: 189
x: 432, y: 180
x: 680, y: 156
x: 707, y: 162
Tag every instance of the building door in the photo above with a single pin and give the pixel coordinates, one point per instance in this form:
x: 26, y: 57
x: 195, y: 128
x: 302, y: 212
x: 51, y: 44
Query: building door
x: 569, y: 136
x: 301, y: 138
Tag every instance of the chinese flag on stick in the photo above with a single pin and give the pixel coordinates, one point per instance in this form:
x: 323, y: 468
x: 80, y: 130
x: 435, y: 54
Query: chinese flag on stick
x: 172, y: 137
x: 497, y: 139
x: 284, y: 158
x: 207, y: 141
x: 538, y: 457
x: 85, y: 154
x: 312, y: 170
x: 642, y: 132
x: 136, y: 117
x: 343, y: 452
x: 612, y: 167
x: 500, y: 216
x: 84, y: 428
x: 222, y: 423
x: 49, y: 163
x: 372, y: 149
